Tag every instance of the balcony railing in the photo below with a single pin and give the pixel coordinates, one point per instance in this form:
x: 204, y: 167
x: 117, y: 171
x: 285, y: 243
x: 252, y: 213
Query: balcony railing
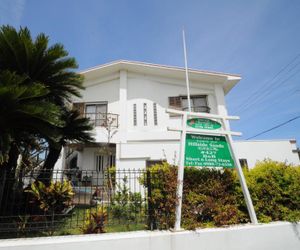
x: 198, y: 109
x: 103, y: 119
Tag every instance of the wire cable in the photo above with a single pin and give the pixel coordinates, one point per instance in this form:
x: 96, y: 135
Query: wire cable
x: 277, y: 126
x: 268, y: 82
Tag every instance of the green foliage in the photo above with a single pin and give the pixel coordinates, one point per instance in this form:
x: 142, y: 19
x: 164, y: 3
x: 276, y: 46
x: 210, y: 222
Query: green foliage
x: 95, y: 221
x: 37, y: 83
x: 275, y: 190
x: 52, y: 199
x: 111, y: 179
x: 161, y: 181
x: 214, y: 197
x: 126, y: 205
x: 210, y: 198
x: 22, y: 110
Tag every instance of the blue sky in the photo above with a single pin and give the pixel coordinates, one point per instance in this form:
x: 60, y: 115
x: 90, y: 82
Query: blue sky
x: 258, y: 39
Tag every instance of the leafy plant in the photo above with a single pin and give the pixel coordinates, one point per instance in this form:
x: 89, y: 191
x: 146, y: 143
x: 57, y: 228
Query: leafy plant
x: 214, y: 197
x: 161, y: 183
x: 275, y: 190
x: 95, y: 221
x: 53, y: 198
x: 126, y: 205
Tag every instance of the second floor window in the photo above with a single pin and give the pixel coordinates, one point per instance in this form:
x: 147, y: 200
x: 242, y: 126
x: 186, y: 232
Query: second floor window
x: 198, y: 103
x: 145, y: 115
x: 155, y: 114
x: 134, y: 115
x: 97, y: 113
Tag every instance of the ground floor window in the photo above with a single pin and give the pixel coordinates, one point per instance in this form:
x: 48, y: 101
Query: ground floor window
x: 105, y: 161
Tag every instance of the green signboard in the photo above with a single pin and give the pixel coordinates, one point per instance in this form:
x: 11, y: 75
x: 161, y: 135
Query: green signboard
x: 203, y: 123
x: 207, y: 151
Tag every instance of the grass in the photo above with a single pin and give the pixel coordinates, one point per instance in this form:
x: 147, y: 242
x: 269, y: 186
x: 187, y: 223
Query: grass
x: 73, y: 224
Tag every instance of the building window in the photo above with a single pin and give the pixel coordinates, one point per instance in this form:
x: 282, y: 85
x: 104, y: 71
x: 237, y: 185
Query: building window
x: 97, y: 113
x: 155, y: 113
x: 134, y: 115
x: 104, y: 161
x: 198, y: 103
x: 244, y: 163
x: 145, y: 114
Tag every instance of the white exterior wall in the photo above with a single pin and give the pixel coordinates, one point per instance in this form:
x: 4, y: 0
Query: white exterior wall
x: 136, y: 144
x: 277, y: 150
x: 103, y: 91
x: 274, y: 236
x: 168, y: 150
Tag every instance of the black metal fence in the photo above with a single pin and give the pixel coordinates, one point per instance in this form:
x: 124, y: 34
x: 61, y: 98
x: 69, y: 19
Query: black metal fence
x: 76, y: 201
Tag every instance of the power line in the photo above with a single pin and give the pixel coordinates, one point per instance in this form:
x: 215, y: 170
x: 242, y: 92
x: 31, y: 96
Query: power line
x: 268, y: 82
x: 278, y: 126
x: 267, y: 92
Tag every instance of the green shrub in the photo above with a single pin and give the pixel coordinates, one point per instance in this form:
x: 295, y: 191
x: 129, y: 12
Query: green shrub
x: 210, y: 198
x: 275, y: 190
x: 161, y: 181
x: 126, y: 205
x: 213, y: 197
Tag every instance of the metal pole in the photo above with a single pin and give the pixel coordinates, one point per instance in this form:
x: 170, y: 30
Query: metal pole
x: 186, y: 72
x: 180, y: 175
x: 241, y: 176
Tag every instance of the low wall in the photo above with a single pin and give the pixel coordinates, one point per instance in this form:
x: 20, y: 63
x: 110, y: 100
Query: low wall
x: 272, y: 236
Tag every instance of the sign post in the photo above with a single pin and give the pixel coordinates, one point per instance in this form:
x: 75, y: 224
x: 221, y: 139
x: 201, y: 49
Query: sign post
x: 180, y: 175
x: 207, y: 143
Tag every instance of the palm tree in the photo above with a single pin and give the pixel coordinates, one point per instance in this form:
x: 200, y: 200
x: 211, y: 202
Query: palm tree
x: 76, y: 130
x: 51, y: 68
x: 23, y: 113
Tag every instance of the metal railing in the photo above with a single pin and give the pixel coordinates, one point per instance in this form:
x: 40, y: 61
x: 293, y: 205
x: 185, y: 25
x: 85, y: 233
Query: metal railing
x: 103, y: 119
x: 198, y: 109
x: 70, y: 201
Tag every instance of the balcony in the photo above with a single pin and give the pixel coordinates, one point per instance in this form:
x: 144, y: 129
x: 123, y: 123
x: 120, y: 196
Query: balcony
x: 107, y: 120
x: 198, y: 109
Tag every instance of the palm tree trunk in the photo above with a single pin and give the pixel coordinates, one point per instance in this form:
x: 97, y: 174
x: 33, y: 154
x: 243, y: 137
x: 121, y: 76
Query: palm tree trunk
x: 52, y: 157
x: 8, y: 177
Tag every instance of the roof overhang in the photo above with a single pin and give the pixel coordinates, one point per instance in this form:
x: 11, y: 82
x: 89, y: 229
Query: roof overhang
x: 227, y: 80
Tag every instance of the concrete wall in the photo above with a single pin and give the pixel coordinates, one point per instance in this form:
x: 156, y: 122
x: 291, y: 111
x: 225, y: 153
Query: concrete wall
x: 126, y: 89
x: 277, y: 150
x: 145, y: 89
x: 275, y: 236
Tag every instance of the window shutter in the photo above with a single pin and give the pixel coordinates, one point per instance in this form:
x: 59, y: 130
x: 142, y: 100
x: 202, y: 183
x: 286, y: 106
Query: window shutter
x: 175, y: 102
x: 80, y: 107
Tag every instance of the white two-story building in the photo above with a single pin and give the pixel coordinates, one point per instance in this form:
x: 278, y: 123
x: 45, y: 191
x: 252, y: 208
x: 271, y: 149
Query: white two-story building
x: 127, y: 101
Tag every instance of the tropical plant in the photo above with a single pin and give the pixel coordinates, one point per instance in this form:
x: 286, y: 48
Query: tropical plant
x: 95, y: 221
x: 52, y: 199
x: 48, y: 73
x: 23, y: 111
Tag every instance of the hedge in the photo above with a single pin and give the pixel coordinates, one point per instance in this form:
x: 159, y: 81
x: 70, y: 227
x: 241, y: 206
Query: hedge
x: 213, y: 197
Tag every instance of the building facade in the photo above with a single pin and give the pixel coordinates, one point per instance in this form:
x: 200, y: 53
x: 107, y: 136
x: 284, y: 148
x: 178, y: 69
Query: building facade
x: 127, y: 101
